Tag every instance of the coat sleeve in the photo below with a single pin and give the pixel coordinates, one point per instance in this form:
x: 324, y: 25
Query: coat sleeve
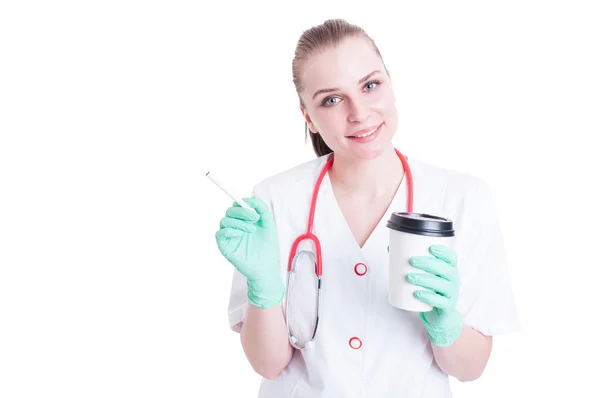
x: 486, y: 299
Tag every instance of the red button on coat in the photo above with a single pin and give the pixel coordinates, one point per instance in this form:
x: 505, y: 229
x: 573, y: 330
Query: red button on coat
x: 355, y: 343
x: 360, y: 269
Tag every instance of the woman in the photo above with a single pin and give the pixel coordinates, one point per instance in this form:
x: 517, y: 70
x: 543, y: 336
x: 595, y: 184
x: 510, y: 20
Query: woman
x: 363, y: 345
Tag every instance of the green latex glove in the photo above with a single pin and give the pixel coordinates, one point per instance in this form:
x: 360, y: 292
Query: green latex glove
x: 248, y: 240
x: 444, y: 323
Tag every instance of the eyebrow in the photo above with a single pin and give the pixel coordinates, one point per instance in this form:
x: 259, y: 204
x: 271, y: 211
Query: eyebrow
x: 328, y: 90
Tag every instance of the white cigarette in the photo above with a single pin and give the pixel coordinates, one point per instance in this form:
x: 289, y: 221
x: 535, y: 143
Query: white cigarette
x: 218, y: 182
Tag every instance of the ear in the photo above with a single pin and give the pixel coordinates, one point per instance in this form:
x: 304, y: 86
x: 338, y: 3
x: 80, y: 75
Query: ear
x: 311, y: 126
x: 390, y: 77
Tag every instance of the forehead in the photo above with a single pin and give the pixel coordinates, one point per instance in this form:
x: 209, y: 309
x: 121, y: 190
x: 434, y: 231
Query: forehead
x: 340, y: 66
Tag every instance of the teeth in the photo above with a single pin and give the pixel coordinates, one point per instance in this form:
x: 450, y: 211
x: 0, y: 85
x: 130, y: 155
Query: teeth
x: 368, y: 133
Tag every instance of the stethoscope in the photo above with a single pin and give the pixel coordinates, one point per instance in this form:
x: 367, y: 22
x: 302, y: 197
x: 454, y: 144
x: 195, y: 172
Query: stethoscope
x: 294, y: 255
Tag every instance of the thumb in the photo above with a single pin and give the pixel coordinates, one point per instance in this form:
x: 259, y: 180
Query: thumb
x: 258, y: 204
x: 260, y: 207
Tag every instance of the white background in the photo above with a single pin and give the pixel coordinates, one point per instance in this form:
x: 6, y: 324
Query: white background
x: 111, y: 284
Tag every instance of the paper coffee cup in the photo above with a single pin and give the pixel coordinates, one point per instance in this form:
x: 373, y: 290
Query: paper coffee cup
x: 411, y: 234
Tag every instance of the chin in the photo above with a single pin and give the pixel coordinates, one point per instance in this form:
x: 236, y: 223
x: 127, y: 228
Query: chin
x: 372, y: 153
x: 371, y: 150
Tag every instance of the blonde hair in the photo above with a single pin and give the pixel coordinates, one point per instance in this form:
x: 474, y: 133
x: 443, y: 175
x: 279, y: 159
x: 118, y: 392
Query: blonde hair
x: 326, y: 35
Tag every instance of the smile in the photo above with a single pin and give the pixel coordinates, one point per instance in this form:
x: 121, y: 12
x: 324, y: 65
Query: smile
x: 364, y: 134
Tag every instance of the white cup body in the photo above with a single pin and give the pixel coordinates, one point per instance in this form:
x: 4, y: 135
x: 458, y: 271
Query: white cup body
x: 403, y: 246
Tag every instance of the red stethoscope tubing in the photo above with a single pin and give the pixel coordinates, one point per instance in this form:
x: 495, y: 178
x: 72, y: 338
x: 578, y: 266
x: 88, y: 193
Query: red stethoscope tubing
x: 310, y: 236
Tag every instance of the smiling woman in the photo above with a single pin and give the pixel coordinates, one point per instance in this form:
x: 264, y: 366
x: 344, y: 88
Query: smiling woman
x: 331, y: 96
x: 341, y: 337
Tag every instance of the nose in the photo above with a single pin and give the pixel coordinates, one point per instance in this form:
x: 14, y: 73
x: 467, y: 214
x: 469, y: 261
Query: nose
x: 358, y: 111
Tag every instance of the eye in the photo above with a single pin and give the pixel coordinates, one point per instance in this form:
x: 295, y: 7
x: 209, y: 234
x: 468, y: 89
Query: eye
x: 370, y: 86
x: 329, y: 101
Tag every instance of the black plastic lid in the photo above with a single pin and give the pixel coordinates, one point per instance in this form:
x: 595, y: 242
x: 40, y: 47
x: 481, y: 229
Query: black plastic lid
x: 421, y: 224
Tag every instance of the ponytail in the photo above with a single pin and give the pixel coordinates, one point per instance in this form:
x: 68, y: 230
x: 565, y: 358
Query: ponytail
x: 319, y: 146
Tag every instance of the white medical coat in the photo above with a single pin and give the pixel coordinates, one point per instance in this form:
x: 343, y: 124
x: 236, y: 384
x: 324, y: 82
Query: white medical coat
x: 395, y: 358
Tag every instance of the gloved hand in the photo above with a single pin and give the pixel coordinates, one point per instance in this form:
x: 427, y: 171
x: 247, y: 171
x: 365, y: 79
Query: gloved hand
x: 444, y: 323
x: 248, y: 240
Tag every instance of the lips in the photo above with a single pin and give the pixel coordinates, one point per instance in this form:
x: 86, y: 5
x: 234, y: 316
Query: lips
x: 365, y: 135
x: 365, y: 132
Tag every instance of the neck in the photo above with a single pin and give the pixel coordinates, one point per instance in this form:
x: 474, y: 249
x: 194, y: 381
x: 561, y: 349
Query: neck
x: 369, y: 178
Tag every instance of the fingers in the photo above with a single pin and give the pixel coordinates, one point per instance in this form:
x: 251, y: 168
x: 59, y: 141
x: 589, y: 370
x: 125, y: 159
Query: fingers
x: 434, y: 266
x: 240, y: 213
x: 228, y: 240
x: 228, y: 222
x: 433, y: 299
x: 239, y: 221
x: 257, y: 204
x: 444, y: 253
x: 228, y: 233
x: 431, y: 282
x: 440, y: 279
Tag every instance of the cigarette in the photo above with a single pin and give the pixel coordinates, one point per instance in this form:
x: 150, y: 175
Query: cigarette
x: 218, y: 182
